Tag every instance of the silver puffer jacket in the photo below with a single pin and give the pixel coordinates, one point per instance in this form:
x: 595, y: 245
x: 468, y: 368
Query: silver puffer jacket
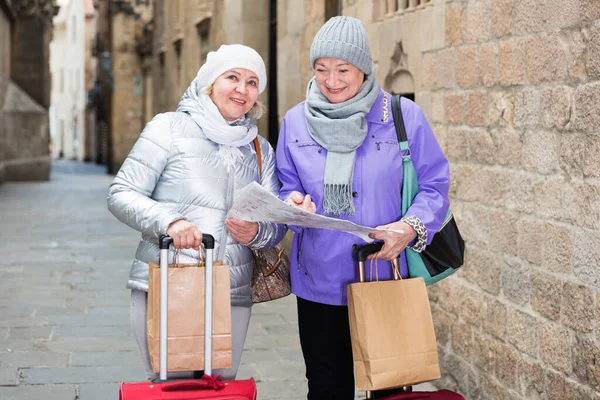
x: 173, y: 172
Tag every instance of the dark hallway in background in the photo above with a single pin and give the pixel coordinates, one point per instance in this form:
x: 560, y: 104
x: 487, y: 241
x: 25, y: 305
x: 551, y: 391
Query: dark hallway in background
x: 332, y: 8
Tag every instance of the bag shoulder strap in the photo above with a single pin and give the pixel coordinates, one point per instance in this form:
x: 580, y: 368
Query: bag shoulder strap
x: 258, y: 156
x: 398, y: 119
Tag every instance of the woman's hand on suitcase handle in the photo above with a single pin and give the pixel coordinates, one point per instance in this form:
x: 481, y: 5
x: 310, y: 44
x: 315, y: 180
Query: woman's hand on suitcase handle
x: 299, y: 200
x: 394, y: 242
x: 241, y: 231
x: 185, y: 235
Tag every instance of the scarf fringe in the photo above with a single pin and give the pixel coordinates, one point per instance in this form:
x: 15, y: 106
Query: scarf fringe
x: 338, y: 200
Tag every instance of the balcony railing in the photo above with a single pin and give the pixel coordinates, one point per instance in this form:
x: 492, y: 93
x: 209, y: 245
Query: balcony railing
x: 384, y: 9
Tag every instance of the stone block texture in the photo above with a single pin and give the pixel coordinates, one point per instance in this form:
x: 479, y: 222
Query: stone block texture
x: 516, y: 92
x: 24, y: 92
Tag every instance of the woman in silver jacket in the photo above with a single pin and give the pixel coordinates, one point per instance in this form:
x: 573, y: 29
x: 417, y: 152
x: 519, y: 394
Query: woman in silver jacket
x: 181, y: 176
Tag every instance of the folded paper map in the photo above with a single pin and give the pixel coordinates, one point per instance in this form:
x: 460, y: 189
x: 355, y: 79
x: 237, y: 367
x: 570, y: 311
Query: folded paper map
x: 256, y: 204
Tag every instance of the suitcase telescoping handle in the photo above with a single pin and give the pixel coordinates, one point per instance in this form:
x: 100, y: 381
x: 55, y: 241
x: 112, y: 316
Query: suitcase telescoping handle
x: 362, y: 252
x: 208, y: 241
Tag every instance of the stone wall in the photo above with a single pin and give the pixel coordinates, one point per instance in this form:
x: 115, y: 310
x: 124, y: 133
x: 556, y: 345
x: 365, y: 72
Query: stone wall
x: 30, y: 67
x: 5, y: 24
x: 119, y: 113
x: 25, y: 32
x: 297, y: 24
x: 25, y: 137
x: 126, y: 121
x: 513, y: 96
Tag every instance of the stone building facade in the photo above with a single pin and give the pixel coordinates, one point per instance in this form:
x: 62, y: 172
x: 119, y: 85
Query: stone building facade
x: 25, y: 33
x: 186, y: 30
x: 511, y: 88
x: 150, y: 50
x: 68, y: 69
x: 119, y: 95
x: 7, y: 18
x: 127, y: 21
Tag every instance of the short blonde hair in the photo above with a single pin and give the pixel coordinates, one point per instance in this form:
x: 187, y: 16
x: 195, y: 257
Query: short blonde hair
x: 257, y: 110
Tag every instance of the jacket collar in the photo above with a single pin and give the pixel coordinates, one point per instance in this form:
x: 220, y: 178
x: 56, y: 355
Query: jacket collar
x: 375, y: 115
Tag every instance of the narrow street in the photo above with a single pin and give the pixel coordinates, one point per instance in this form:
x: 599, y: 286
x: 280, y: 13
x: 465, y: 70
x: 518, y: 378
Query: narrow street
x: 64, y: 309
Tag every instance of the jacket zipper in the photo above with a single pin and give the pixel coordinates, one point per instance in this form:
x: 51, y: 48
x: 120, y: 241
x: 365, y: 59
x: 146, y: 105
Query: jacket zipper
x: 378, y: 143
x: 311, y: 145
x: 300, y: 248
x: 228, y: 203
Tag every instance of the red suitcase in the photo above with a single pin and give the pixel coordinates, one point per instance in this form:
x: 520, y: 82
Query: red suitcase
x: 438, y: 395
x: 405, y: 393
x: 206, y: 388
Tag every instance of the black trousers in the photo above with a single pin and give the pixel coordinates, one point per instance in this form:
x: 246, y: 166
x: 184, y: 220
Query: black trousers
x: 325, y: 341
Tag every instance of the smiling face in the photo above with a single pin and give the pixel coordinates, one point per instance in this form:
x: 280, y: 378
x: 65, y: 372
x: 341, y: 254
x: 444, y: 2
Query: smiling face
x: 235, y: 93
x: 338, y: 80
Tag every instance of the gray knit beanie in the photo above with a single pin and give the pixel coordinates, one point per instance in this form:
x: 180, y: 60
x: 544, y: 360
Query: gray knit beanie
x: 344, y: 38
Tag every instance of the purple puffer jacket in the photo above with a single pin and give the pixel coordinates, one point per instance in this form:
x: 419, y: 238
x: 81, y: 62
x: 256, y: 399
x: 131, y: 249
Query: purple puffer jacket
x: 322, y: 262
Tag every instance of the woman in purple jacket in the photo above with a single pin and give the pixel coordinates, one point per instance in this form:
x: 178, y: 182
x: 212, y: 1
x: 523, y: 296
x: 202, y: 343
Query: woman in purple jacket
x: 338, y: 155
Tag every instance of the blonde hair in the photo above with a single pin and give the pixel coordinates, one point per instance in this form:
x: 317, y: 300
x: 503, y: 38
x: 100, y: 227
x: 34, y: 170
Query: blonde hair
x: 257, y: 110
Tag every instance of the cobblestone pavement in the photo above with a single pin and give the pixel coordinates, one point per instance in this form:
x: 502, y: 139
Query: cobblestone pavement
x: 64, y: 311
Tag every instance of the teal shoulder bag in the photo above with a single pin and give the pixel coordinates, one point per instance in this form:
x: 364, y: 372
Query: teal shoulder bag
x: 445, y: 254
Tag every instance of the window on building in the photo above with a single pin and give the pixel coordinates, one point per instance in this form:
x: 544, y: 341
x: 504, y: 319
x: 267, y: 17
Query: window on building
x: 178, y: 44
x: 163, y: 80
x: 62, y: 80
x: 203, y: 30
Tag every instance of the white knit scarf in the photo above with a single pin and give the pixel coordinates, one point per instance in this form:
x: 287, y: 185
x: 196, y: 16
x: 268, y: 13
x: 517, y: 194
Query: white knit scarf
x: 229, y: 135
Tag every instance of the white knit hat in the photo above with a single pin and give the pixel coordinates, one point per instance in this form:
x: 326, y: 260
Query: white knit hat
x: 228, y: 57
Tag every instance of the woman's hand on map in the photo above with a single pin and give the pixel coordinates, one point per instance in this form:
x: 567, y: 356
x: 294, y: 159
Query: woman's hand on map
x: 241, y: 231
x: 299, y: 200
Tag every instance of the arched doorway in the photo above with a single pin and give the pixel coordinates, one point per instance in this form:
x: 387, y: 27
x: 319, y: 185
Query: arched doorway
x: 399, y: 80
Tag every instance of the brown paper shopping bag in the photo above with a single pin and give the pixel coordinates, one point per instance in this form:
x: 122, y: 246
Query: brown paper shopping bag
x: 185, y: 344
x: 393, y: 339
